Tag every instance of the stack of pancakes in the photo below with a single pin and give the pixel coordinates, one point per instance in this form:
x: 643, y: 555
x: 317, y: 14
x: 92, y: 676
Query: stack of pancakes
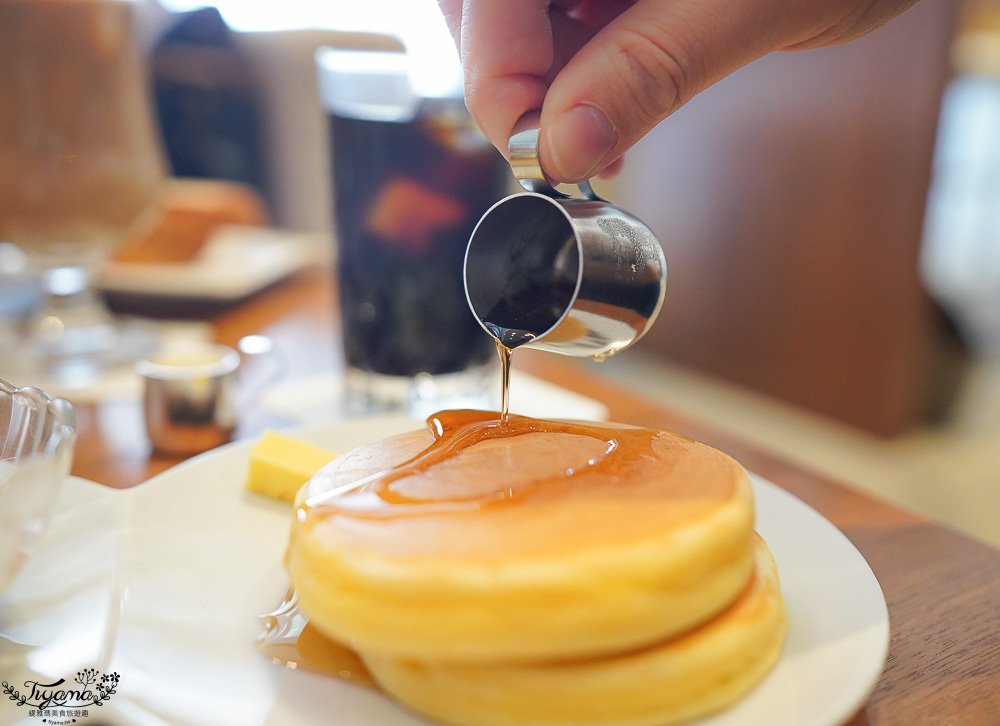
x: 541, y: 572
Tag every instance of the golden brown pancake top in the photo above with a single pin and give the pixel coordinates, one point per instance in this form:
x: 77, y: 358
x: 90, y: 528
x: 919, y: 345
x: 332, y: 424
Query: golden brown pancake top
x: 470, y: 488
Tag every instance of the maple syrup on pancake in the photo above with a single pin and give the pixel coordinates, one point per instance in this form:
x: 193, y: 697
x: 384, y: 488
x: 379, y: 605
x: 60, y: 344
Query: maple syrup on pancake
x: 624, y: 454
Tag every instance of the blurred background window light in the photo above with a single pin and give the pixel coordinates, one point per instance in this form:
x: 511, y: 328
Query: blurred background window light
x: 417, y: 23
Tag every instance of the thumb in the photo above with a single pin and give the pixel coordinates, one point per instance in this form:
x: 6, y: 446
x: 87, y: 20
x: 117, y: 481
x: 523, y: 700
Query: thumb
x: 639, y: 69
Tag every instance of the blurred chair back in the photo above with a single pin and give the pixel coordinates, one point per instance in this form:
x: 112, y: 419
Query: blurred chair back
x: 789, y: 199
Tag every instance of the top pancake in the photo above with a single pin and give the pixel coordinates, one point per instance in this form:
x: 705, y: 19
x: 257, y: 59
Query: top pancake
x: 537, y: 539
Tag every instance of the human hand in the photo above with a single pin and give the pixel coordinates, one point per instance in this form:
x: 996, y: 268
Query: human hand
x: 605, y: 72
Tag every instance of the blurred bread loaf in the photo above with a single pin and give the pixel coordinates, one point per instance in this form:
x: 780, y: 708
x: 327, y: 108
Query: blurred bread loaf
x: 186, y: 214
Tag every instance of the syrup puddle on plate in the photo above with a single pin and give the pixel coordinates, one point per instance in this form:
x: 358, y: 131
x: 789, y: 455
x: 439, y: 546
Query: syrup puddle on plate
x: 289, y: 639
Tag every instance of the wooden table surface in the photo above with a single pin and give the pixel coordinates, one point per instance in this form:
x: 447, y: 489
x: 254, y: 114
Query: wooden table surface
x: 942, y: 588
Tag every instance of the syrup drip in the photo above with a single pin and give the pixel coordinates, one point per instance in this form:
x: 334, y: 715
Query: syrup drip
x: 507, y: 339
x: 505, y: 357
x: 289, y: 639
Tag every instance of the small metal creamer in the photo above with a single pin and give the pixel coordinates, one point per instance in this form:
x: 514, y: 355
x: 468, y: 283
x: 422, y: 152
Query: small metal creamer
x: 575, y: 276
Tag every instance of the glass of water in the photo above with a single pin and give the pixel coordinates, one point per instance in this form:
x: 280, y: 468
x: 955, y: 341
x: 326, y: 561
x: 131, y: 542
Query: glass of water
x: 37, y: 434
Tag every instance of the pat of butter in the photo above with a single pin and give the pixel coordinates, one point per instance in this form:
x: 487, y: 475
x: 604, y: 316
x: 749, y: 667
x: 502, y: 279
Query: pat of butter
x: 280, y: 465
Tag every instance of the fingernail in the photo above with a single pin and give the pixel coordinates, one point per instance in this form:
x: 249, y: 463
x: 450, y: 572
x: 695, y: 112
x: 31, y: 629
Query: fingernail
x: 579, y: 140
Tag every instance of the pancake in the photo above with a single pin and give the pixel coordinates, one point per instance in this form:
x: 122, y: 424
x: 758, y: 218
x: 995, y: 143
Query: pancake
x: 476, y: 542
x: 694, y: 674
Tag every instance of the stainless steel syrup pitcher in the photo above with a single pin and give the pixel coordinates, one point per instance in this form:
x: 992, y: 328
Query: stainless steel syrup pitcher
x: 574, y: 276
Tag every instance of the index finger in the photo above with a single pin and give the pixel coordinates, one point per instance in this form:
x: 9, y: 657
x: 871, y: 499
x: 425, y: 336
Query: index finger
x: 452, y: 12
x: 506, y: 48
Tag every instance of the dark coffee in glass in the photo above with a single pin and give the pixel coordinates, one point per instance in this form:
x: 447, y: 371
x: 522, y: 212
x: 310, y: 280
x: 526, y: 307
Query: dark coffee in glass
x: 408, y: 195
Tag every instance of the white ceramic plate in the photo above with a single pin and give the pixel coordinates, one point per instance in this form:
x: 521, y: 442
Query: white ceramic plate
x: 200, y: 558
